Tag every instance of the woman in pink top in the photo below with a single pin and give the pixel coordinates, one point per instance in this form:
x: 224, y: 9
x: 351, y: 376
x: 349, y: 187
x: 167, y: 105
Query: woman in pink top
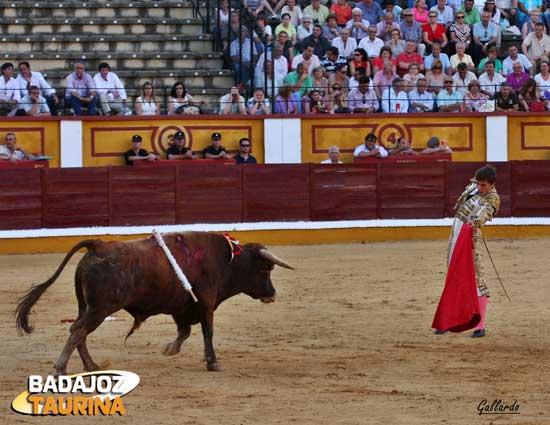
x: 420, y: 12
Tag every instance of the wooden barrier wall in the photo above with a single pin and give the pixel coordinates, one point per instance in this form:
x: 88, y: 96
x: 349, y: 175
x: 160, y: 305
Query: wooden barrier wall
x: 124, y: 196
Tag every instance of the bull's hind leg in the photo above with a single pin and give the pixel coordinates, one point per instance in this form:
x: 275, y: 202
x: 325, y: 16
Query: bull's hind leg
x: 89, y: 365
x: 207, y: 324
x: 184, y: 330
x: 87, y: 323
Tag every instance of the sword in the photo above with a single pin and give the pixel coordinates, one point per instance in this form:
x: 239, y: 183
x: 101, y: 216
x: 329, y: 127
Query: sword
x: 496, y: 271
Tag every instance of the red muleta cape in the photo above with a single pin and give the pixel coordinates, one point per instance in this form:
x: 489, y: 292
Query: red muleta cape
x: 458, y: 308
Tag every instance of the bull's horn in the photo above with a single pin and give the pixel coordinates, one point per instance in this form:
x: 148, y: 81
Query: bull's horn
x: 274, y: 259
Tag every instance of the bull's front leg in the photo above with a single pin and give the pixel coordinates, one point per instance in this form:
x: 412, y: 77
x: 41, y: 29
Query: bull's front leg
x: 207, y: 324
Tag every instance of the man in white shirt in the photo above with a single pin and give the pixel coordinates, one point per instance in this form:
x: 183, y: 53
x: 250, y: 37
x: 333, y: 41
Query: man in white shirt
x: 394, y: 99
x: 112, y: 94
x: 370, y: 148
x: 279, y: 61
x: 421, y: 100
x: 345, y: 44
x: 536, y: 45
x: 371, y: 44
x: 490, y: 81
x: 308, y: 58
x: 514, y: 56
x: 10, y: 94
x: 445, y: 14
x: 357, y: 25
x: 27, y: 78
x: 10, y: 151
x: 333, y: 156
x: 462, y: 78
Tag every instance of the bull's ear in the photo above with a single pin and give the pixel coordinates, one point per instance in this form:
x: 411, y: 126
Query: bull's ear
x: 274, y: 259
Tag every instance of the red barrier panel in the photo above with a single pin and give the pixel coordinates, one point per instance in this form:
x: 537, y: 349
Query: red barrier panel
x: 5, y: 164
x: 343, y: 192
x: 412, y: 190
x: 209, y: 194
x: 399, y: 159
x: 76, y: 197
x: 277, y: 192
x: 20, y: 199
x: 531, y: 189
x: 143, y: 196
x: 184, y: 162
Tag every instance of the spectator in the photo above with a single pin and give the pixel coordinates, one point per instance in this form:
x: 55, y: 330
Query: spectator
x: 395, y: 43
x: 10, y: 151
x: 394, y: 99
x: 10, y: 94
x: 462, y: 79
x: 243, y: 55
x: 370, y: 148
x: 27, y: 78
x: 270, y: 86
x: 331, y: 60
x: 513, y: 57
x: 402, y: 148
x: 339, y: 104
x: 494, y: 11
x: 486, y: 34
x: 412, y: 77
x: 259, y: 105
x: 354, y: 81
x: 294, y: 11
x: 420, y: 12
x: 436, y: 77
x: 474, y: 99
x: 543, y: 77
x: 449, y: 100
x: 340, y: 78
x: 255, y: 6
x: 436, y: 147
x: 264, y: 30
x: 345, y: 45
x: 333, y: 156
x: 433, y: 32
x: 530, y: 24
x: 181, y: 102
x: 319, y: 81
x: 445, y: 14
x: 320, y: 43
x: 461, y: 57
x: 436, y: 54
x: 363, y: 98
x: 420, y: 100
x: 359, y: 61
x: 518, y: 77
x: 136, y: 153
x: 308, y: 58
x: 383, y: 79
x: 80, y: 90
x: 277, y: 57
x: 490, y: 80
x: 506, y: 99
x: 385, y: 56
x: 317, y: 104
x: 396, y: 10
x: 232, y: 31
x: 529, y: 94
x: 370, y: 10
x: 216, y: 150
x: 412, y: 31
x: 146, y: 104
x: 299, y: 80
x: 342, y: 11
x: 407, y: 57
x: 178, y: 150
x: 492, y: 57
x: 232, y: 103
x: 385, y: 27
x: 33, y: 104
x: 371, y: 44
x: 305, y: 29
x: 285, y: 102
x: 111, y: 91
x: 460, y: 31
x: 508, y: 11
x: 358, y: 26
x: 288, y: 47
x: 471, y: 13
x: 318, y: 11
x: 536, y: 46
x: 244, y: 156
x: 287, y: 27
x: 331, y: 29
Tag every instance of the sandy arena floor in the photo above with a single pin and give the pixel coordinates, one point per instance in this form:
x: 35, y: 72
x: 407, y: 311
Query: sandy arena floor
x: 347, y: 342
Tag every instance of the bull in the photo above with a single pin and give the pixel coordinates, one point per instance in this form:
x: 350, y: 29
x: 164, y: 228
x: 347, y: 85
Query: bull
x: 136, y: 276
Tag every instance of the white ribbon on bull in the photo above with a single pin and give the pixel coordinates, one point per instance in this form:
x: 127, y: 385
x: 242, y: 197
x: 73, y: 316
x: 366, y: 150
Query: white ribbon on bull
x: 177, y: 269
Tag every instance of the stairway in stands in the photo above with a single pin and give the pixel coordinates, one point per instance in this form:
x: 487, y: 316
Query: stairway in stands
x: 158, y: 41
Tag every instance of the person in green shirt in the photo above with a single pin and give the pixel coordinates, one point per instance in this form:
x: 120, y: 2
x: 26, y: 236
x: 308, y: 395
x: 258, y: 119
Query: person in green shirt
x: 317, y: 11
x: 299, y: 80
x: 471, y: 13
x: 491, y: 56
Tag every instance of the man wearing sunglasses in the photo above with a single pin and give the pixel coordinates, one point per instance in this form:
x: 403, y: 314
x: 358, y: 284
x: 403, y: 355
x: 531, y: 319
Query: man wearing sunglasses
x: 485, y: 36
x: 244, y: 157
x: 412, y: 30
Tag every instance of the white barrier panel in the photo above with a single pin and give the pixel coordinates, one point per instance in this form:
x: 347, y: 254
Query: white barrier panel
x: 282, y: 141
x: 71, y: 143
x: 497, y: 138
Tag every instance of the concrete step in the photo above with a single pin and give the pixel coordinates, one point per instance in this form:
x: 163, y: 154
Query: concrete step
x: 135, y: 26
x: 129, y: 61
x: 106, y: 9
x: 104, y: 43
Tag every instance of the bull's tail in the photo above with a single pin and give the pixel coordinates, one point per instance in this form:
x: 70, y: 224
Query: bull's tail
x: 34, y: 294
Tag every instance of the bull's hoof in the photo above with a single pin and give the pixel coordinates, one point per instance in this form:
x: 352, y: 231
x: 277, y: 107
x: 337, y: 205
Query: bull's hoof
x: 170, y: 349
x: 213, y: 366
x: 59, y: 372
x: 91, y: 367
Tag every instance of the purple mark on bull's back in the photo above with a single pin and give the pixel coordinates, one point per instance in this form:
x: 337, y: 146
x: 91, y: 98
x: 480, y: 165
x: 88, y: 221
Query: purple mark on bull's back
x: 191, y: 258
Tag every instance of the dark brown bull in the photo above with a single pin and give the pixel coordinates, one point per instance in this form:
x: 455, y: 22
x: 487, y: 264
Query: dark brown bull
x: 137, y: 277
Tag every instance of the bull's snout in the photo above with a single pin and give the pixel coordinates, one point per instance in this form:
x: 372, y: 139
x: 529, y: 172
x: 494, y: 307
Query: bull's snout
x: 268, y: 300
